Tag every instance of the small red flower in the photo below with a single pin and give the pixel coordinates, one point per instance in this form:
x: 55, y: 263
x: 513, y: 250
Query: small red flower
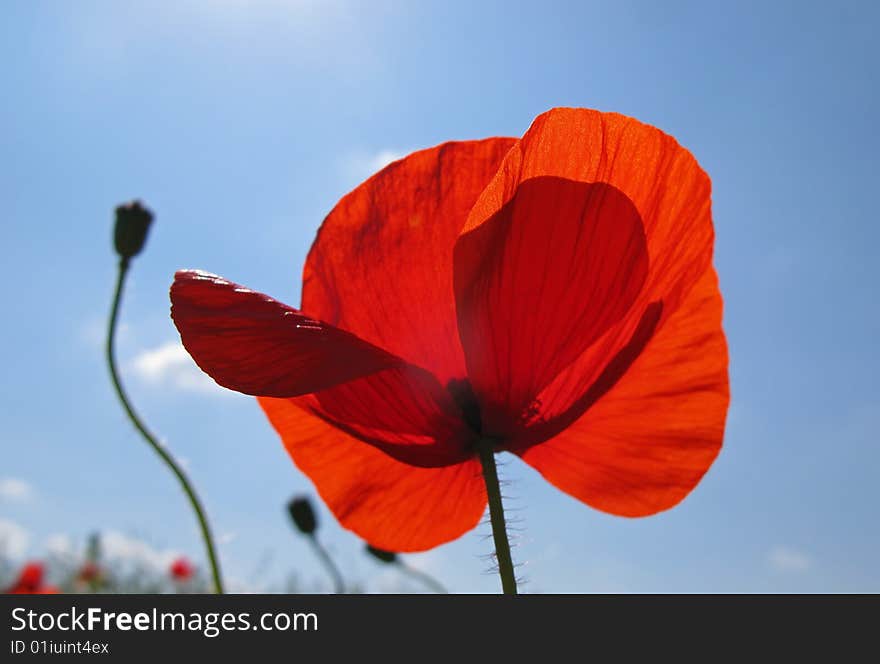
x: 89, y: 572
x: 30, y: 581
x: 181, y: 570
x: 554, y: 293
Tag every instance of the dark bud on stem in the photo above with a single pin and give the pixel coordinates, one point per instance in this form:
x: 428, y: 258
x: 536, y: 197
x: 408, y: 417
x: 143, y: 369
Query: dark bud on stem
x: 303, y: 515
x: 132, y: 223
x: 384, y: 556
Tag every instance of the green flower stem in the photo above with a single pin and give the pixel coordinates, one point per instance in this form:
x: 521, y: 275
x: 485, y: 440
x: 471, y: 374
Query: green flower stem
x: 151, y: 439
x: 486, y: 449
x: 424, y: 577
x: 338, y: 583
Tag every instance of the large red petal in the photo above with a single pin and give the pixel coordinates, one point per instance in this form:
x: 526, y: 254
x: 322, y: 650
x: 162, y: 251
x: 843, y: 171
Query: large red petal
x: 248, y: 342
x: 392, y: 505
x: 251, y: 343
x: 665, y: 184
x: 381, y: 266
x: 648, y: 440
x: 403, y: 411
x: 537, y: 284
x: 670, y: 194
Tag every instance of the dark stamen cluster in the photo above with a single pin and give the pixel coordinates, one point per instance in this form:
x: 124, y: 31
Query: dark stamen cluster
x: 463, y: 394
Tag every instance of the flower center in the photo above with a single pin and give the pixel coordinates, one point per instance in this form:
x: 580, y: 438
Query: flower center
x: 463, y: 394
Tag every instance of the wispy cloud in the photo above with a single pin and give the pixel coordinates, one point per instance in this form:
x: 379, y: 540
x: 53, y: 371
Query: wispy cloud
x: 359, y: 165
x: 382, y: 158
x: 60, y: 545
x: 169, y: 365
x: 127, y: 550
x: 785, y: 559
x: 227, y: 538
x: 431, y: 562
x: 121, y: 551
x: 13, y: 489
x: 14, y: 539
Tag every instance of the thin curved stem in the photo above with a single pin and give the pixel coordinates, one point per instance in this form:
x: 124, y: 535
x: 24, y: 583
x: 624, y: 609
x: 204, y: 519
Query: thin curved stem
x: 486, y: 451
x: 338, y: 583
x: 424, y: 577
x: 151, y: 439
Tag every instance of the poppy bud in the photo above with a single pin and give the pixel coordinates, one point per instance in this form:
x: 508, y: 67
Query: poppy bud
x: 303, y: 515
x: 381, y: 554
x: 132, y: 223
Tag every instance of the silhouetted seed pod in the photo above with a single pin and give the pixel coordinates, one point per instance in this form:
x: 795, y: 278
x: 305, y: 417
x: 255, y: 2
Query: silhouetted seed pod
x: 380, y: 554
x: 303, y: 515
x: 132, y: 223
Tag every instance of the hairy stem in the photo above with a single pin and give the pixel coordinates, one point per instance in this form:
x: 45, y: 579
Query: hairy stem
x: 496, y: 515
x: 151, y: 439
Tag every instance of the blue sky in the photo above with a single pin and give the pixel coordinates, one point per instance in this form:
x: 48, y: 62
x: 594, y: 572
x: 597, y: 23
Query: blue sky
x: 241, y: 124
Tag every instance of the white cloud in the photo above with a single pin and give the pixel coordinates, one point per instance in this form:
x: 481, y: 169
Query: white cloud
x: 431, y: 562
x: 360, y: 165
x: 784, y: 559
x: 60, y: 545
x: 241, y: 587
x: 13, y: 539
x: 14, y: 489
x: 169, y: 365
x: 227, y: 538
x: 126, y: 550
x: 382, y: 158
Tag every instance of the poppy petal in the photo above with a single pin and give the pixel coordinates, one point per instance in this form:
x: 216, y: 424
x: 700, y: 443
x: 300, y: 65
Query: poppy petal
x: 381, y: 266
x: 647, y: 441
x: 390, y: 504
x: 253, y: 344
x: 538, y: 283
x: 403, y: 411
x: 666, y: 185
x: 667, y: 188
x: 248, y: 342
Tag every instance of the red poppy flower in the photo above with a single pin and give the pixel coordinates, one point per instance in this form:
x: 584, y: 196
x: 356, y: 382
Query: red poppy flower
x: 30, y: 581
x: 554, y: 293
x: 181, y: 569
x: 89, y: 572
